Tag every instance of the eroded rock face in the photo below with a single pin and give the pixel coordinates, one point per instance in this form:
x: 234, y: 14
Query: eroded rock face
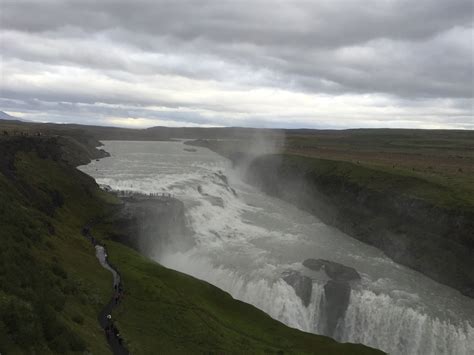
x: 431, y: 238
x: 151, y: 225
x: 337, y: 291
x: 336, y: 300
x: 335, y: 271
x: 302, y: 285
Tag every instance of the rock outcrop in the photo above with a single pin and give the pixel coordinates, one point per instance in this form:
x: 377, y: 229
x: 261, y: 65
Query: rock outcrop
x: 303, y: 285
x: 335, y: 302
x: 335, y: 271
x: 153, y: 224
x: 337, y: 291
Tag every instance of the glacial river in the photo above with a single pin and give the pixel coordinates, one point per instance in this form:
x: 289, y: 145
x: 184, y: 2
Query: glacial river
x: 245, y: 241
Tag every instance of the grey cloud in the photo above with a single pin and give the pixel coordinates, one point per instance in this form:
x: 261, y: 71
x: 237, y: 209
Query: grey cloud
x: 263, y: 22
x: 407, y: 50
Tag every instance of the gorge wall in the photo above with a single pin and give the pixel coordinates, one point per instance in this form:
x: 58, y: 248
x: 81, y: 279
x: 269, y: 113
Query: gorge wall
x: 368, y: 205
x: 151, y: 225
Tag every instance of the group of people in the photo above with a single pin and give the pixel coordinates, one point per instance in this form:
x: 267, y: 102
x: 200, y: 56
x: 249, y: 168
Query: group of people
x: 136, y: 194
x: 21, y: 133
x: 111, y: 330
x: 118, y: 293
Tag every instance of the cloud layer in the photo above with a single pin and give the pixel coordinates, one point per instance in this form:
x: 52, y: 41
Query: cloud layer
x: 261, y: 63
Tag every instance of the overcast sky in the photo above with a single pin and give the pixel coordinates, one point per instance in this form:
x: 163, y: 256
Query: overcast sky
x: 259, y: 63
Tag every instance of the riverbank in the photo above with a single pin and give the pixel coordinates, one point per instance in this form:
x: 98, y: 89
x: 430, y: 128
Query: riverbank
x: 52, y: 287
x: 417, y: 223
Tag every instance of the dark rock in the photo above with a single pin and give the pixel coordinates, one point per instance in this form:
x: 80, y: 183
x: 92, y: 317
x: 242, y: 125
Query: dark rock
x: 302, y: 285
x: 153, y: 225
x: 214, y: 200
x: 222, y: 177
x: 335, y: 271
x: 468, y: 291
x: 336, y: 300
x: 337, y: 291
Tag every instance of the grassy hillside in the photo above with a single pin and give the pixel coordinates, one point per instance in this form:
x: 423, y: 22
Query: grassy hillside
x: 52, y: 287
x: 384, y: 180
x: 440, y: 158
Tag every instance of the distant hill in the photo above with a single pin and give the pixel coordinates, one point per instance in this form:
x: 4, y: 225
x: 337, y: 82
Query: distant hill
x: 6, y: 116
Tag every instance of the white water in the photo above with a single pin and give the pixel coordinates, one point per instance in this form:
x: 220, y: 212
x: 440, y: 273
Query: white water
x: 244, y: 246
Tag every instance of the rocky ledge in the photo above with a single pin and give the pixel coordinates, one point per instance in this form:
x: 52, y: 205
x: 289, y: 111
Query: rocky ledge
x: 337, y: 290
x: 303, y: 285
x: 152, y: 221
x: 335, y: 271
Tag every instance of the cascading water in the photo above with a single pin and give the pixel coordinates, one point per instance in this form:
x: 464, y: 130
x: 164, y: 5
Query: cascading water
x: 245, y: 241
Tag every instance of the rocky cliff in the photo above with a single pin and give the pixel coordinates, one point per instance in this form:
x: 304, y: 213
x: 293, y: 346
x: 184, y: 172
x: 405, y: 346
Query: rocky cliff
x: 380, y: 209
x: 149, y: 225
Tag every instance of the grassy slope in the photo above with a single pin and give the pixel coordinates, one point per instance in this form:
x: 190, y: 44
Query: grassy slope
x: 169, y: 312
x: 437, y: 165
x: 52, y: 287
x: 382, y: 179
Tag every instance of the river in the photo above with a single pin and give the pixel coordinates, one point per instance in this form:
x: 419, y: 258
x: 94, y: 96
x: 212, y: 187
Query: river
x: 245, y: 240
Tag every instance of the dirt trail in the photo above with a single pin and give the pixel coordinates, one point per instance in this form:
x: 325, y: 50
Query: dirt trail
x: 105, y: 319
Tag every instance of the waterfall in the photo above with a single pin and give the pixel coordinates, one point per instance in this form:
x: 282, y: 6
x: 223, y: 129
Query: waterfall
x: 378, y: 320
x: 245, y: 240
x: 274, y: 297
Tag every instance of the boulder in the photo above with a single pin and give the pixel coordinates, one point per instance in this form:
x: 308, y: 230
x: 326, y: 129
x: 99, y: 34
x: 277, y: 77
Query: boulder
x: 337, y: 290
x: 303, y: 285
x: 335, y: 271
x: 336, y: 300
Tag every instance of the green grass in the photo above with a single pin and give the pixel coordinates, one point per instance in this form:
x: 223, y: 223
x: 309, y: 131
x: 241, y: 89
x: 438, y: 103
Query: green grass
x: 379, y: 179
x: 438, y: 157
x: 51, y: 285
